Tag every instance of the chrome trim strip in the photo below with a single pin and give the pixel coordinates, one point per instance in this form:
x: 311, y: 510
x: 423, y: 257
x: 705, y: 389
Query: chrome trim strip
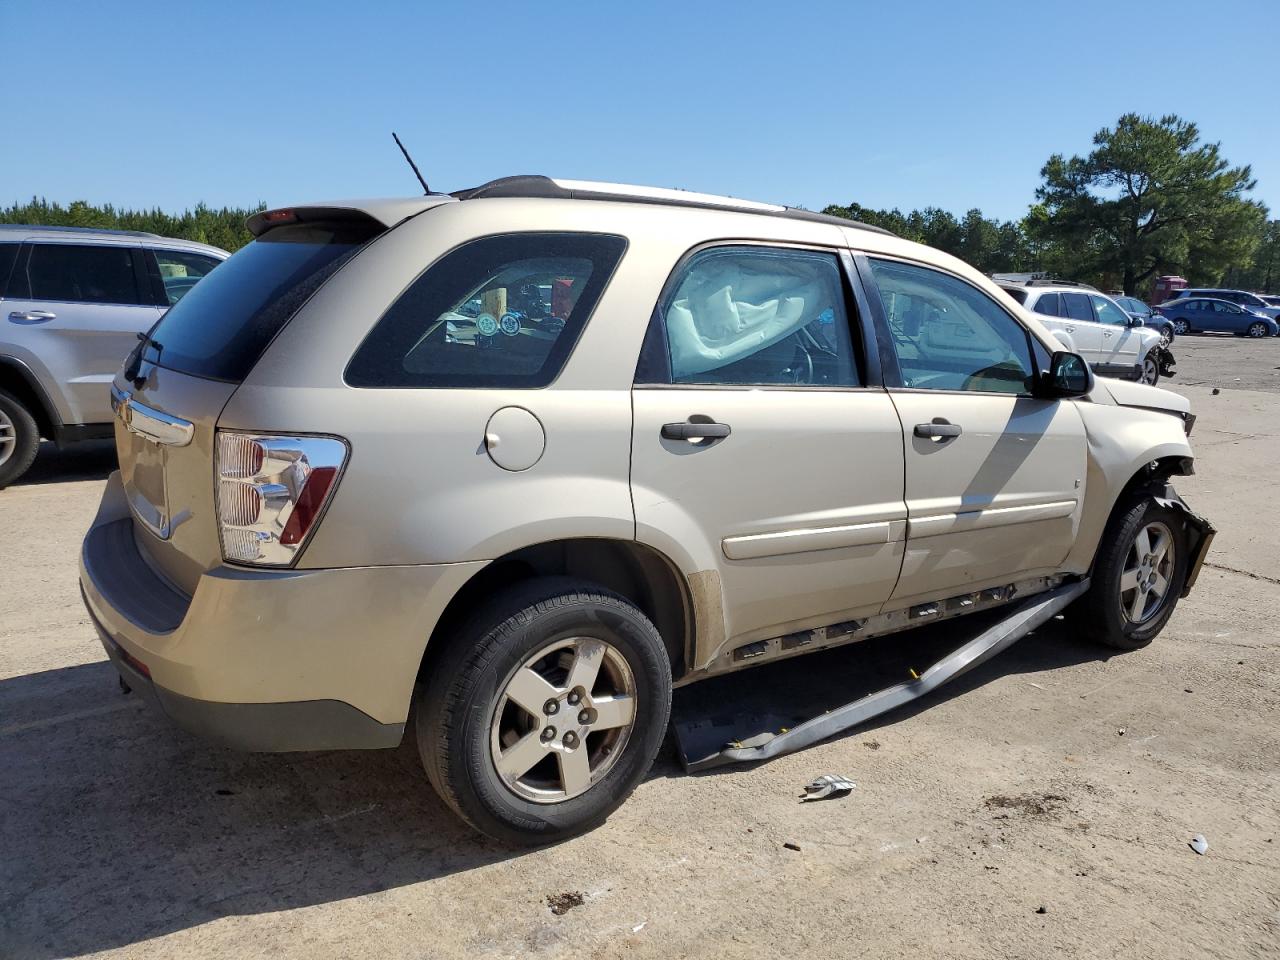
x: 150, y: 423
x: 986, y: 519
x: 755, y: 546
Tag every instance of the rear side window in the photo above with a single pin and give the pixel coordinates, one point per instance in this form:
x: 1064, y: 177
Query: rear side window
x: 220, y: 326
x: 1048, y: 305
x: 502, y: 311
x: 180, y: 270
x: 1078, y: 307
x: 77, y: 273
x: 1019, y: 295
x: 758, y: 316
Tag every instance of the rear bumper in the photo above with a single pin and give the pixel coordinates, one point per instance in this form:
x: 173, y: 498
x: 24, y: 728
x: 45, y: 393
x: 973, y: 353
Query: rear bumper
x: 265, y: 659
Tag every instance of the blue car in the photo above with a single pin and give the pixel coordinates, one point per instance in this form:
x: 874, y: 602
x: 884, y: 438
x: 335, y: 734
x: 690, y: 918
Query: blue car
x: 1150, y: 319
x: 1204, y: 314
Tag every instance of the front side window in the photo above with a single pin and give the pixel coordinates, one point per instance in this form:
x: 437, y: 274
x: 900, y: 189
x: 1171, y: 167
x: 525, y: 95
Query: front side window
x: 949, y: 335
x: 76, y: 273
x: 1108, y: 313
x: 757, y: 316
x: 502, y: 311
x: 1048, y: 305
x: 1077, y: 305
x: 180, y: 270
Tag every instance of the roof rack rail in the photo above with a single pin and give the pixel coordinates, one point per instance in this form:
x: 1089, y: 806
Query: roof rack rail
x: 1060, y: 283
x: 534, y: 185
x: 54, y: 228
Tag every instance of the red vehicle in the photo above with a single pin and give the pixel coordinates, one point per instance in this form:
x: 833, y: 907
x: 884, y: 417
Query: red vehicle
x: 1166, y: 287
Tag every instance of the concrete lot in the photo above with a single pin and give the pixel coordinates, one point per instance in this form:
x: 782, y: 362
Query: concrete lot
x: 1058, y: 777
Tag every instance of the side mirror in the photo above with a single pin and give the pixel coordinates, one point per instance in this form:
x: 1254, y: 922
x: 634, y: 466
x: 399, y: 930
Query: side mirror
x: 1068, y: 376
x: 1137, y: 322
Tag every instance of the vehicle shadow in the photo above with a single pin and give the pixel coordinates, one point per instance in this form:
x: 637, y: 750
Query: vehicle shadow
x: 117, y: 828
x: 783, y: 695
x: 92, y: 460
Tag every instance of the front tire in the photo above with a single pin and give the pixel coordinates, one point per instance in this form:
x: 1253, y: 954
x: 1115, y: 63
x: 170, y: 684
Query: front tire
x: 1150, y: 371
x: 1257, y: 330
x: 545, y: 712
x: 1137, y: 575
x: 19, y: 439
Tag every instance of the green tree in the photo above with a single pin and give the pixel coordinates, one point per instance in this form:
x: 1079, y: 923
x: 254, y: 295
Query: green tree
x: 1149, y: 199
x: 223, y: 227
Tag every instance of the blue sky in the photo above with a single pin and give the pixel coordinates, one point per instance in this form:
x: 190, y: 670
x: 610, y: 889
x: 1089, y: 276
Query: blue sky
x: 890, y: 104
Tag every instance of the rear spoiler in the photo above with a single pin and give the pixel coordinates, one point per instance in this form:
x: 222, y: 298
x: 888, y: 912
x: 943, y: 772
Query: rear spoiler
x: 380, y: 213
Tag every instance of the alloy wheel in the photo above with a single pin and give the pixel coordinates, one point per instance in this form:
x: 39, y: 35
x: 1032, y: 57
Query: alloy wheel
x: 563, y: 719
x: 1146, y: 580
x: 1257, y: 329
x: 1150, y: 371
x: 8, y: 437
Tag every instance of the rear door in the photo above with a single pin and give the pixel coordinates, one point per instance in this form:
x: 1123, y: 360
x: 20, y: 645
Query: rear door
x: 1085, y: 332
x: 765, y: 453
x: 82, y: 306
x: 995, y: 477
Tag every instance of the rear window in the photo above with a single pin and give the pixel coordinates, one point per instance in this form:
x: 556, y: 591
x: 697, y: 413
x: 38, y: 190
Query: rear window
x: 1048, y: 305
x: 1017, y: 294
x: 502, y: 311
x: 220, y: 326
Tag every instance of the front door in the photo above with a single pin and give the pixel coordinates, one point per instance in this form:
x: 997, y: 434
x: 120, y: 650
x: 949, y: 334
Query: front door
x: 1121, y: 344
x: 83, y: 306
x: 995, y: 477
x: 761, y: 459
x: 1086, y: 332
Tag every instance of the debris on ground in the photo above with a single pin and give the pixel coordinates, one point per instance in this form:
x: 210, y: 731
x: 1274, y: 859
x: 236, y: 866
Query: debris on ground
x: 1028, y: 804
x: 1199, y: 844
x: 792, y: 846
x: 1042, y: 909
x: 826, y: 786
x: 562, y: 903
x: 1120, y: 731
x: 871, y: 744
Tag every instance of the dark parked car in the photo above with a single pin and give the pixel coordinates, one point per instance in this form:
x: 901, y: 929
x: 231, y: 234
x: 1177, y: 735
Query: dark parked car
x: 1140, y: 311
x: 1243, y: 298
x: 1202, y: 314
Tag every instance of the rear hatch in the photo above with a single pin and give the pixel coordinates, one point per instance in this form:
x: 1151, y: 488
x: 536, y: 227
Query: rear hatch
x: 175, y: 384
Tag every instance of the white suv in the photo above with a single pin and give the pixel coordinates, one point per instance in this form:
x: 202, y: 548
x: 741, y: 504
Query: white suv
x: 1093, y: 325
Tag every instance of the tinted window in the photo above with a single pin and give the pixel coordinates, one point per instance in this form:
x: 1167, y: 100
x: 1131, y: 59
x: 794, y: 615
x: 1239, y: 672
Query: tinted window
x: 502, y: 311
x: 1077, y: 305
x: 1108, y: 313
x: 8, y: 257
x: 223, y: 324
x: 179, y: 271
x: 1049, y: 305
x: 758, y: 316
x: 74, y: 273
x: 949, y: 335
x: 1017, y: 294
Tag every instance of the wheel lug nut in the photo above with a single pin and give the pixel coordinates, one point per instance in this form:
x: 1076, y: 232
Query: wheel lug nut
x: 551, y: 707
x: 549, y: 733
x: 570, y: 739
x: 574, y: 697
x: 584, y: 717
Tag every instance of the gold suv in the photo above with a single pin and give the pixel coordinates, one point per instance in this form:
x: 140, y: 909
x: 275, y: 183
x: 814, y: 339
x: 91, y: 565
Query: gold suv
x: 527, y: 456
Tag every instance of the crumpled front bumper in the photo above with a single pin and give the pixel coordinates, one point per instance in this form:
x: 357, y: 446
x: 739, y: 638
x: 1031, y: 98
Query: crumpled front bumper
x: 1200, y: 533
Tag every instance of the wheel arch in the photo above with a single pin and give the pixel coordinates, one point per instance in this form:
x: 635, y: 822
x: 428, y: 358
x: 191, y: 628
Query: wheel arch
x: 635, y: 571
x: 18, y: 379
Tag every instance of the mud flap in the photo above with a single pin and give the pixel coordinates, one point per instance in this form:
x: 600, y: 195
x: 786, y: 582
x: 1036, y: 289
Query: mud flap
x: 707, y: 740
x: 1200, y: 533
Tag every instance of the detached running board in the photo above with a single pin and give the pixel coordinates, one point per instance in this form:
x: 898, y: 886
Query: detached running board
x: 1021, y: 620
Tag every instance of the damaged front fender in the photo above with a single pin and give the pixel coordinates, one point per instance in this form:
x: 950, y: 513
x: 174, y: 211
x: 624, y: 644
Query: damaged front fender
x: 1200, y: 532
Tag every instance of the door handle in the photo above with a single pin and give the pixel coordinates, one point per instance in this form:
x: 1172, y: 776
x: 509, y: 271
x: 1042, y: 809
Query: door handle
x: 1106, y: 333
x: 31, y: 316
x: 692, y: 430
x: 939, y: 430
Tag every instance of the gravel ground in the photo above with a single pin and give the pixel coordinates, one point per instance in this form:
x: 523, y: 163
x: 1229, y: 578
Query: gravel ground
x: 1042, y: 805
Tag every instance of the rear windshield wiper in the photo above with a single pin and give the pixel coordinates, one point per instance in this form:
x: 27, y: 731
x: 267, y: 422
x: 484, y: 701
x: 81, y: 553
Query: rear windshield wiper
x: 133, y: 372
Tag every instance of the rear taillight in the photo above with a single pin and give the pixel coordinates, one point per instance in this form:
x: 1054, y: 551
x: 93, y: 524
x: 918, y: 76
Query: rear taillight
x: 271, y: 492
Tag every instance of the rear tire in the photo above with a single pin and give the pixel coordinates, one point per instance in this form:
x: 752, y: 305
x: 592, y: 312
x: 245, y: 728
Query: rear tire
x: 1137, y: 575
x: 545, y: 711
x: 1181, y: 328
x: 19, y: 439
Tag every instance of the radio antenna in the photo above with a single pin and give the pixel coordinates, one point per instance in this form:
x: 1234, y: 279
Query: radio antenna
x: 416, y: 172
